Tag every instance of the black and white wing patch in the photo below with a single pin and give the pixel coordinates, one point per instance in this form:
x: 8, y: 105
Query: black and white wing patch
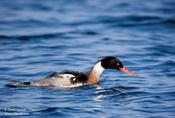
x: 77, y: 77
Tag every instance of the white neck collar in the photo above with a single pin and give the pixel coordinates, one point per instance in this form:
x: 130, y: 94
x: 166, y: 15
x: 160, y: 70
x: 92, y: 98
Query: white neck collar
x: 98, y: 69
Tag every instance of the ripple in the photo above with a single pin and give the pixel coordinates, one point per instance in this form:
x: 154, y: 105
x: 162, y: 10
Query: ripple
x: 14, y: 111
x: 26, y: 37
x: 49, y: 109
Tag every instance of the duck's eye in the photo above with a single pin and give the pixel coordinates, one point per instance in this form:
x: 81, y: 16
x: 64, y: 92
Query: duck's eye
x: 118, y: 64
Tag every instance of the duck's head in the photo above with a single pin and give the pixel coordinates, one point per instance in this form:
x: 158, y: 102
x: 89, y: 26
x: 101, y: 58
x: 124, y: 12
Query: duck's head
x: 111, y: 62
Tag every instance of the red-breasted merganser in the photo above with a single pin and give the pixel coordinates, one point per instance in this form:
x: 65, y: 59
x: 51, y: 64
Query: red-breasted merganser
x: 76, y: 79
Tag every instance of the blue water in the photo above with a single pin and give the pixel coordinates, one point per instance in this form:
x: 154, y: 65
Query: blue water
x: 38, y: 37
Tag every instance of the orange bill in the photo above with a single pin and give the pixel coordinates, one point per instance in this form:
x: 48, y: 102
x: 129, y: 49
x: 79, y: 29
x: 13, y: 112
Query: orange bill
x: 127, y: 71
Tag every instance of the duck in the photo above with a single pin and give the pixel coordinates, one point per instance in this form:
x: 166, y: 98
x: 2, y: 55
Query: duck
x: 68, y: 79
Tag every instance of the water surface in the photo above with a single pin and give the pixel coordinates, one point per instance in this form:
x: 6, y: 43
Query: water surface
x: 39, y: 37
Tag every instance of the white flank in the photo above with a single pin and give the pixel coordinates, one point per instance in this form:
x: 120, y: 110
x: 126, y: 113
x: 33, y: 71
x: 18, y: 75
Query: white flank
x: 64, y: 81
